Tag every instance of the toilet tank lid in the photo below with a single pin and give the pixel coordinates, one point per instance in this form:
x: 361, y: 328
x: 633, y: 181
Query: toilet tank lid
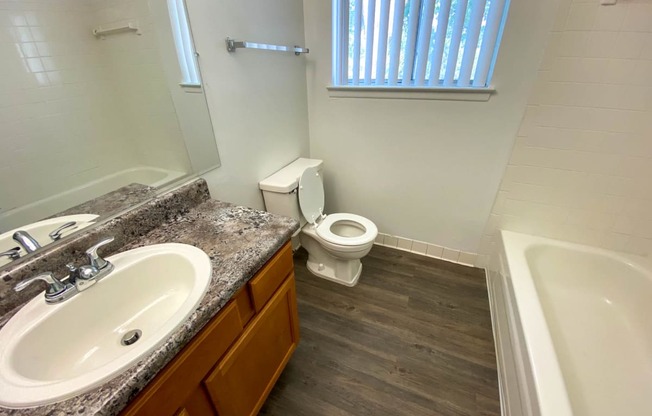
x: 287, y: 179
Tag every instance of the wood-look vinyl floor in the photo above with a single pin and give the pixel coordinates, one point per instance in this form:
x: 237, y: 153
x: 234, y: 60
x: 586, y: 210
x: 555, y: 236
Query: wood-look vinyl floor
x: 412, y: 338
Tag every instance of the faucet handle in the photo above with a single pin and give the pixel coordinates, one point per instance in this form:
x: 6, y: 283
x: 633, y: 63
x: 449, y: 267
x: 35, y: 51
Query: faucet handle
x: 57, y: 234
x: 54, y: 285
x: 12, y: 253
x: 93, y: 258
x: 56, y: 291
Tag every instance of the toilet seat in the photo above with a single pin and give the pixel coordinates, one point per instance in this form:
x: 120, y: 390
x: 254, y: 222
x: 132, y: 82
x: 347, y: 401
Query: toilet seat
x: 311, y: 203
x: 323, y: 230
x: 311, y: 195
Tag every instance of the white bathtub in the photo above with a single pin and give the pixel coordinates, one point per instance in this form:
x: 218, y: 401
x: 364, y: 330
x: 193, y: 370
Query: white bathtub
x: 573, y: 329
x: 95, y: 187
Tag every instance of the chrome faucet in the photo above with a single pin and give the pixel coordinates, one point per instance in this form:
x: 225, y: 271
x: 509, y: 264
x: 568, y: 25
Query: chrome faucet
x: 87, y: 275
x: 78, y: 280
x: 12, y: 253
x: 28, y: 242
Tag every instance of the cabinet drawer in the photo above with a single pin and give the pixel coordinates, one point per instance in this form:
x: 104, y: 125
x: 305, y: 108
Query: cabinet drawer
x: 242, y: 380
x: 270, y: 277
x: 245, y: 307
x: 182, y: 376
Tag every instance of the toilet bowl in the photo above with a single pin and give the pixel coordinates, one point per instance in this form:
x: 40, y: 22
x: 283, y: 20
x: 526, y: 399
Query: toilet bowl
x: 336, y: 242
x: 336, y: 245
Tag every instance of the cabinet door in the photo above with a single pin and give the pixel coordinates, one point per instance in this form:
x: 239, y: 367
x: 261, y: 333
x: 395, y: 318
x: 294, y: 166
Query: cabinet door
x: 183, y: 376
x: 198, y: 404
x: 241, y: 382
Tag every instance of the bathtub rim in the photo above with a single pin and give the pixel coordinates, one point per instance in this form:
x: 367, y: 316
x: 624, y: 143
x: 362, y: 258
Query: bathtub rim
x: 170, y: 177
x: 549, y: 382
x: 549, y: 385
x: 519, y: 243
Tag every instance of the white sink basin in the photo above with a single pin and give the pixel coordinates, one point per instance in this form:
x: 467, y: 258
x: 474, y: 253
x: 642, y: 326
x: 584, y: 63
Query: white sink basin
x: 40, y: 231
x: 54, y: 352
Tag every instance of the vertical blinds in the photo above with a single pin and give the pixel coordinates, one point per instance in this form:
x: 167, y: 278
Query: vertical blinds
x: 417, y: 43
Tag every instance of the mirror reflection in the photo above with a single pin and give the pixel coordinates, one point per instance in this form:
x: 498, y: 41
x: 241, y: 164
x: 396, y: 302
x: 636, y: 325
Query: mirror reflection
x: 101, y: 103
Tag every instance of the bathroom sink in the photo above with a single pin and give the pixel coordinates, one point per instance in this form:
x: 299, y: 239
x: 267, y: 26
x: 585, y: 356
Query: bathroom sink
x: 54, y: 352
x: 40, y: 231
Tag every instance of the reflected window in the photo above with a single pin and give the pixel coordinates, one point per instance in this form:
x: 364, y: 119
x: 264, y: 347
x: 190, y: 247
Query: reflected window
x: 33, y: 50
x: 183, y: 43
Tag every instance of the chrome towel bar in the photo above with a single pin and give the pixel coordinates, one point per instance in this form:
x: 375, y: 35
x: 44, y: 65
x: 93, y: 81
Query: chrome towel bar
x: 232, y: 45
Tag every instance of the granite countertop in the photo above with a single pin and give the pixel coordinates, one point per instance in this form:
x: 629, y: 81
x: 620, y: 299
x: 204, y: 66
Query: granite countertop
x: 238, y: 240
x: 112, y: 202
x: 103, y: 206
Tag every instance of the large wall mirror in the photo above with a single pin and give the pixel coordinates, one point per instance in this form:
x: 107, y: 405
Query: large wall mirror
x: 101, y: 105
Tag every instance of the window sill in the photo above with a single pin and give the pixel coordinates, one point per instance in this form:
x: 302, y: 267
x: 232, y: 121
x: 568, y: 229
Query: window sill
x: 407, y: 93
x: 192, y: 88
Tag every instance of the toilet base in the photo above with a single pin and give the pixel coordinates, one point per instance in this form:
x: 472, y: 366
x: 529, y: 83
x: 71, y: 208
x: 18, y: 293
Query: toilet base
x: 344, y: 272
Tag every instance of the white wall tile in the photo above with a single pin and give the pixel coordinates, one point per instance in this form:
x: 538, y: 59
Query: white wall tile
x: 569, y: 44
x: 404, y: 244
x: 581, y: 16
x: 629, y: 44
x: 582, y: 160
x: 646, y: 52
x: 434, y: 251
x: 61, y: 92
x: 468, y: 259
x: 482, y: 261
x: 450, y: 254
x: 610, y: 19
x: 431, y: 250
x: 638, y: 17
x: 390, y: 241
x: 419, y: 247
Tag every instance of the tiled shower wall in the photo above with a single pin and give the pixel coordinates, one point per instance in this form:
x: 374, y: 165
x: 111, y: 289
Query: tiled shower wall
x: 63, y: 93
x: 581, y: 167
x: 136, y: 70
x: 57, y: 120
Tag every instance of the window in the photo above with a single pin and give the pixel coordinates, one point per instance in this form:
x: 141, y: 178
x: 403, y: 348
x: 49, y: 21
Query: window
x: 183, y: 43
x: 416, y: 43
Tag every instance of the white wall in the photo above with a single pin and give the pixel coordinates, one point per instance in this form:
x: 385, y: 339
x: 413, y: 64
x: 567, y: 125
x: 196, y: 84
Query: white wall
x: 257, y: 99
x: 189, y: 103
x: 582, y: 162
x: 425, y: 170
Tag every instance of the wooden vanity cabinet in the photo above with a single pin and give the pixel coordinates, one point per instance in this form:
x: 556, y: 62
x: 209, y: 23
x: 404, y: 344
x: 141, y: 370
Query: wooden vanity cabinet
x: 240, y: 383
x: 230, y: 367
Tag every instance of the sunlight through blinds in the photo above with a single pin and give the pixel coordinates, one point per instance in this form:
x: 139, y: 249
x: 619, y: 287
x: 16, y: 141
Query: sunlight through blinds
x: 417, y: 43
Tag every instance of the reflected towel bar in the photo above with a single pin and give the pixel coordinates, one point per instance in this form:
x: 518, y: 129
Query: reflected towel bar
x: 232, y: 45
x: 103, y: 31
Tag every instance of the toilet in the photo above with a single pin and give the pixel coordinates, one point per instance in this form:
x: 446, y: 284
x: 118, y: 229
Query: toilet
x: 335, y: 242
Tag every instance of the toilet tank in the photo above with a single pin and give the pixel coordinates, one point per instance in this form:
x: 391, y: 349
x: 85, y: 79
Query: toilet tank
x: 280, y: 189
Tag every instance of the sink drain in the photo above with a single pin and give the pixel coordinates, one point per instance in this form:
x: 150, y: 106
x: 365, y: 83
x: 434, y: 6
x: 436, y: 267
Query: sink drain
x: 131, y: 337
